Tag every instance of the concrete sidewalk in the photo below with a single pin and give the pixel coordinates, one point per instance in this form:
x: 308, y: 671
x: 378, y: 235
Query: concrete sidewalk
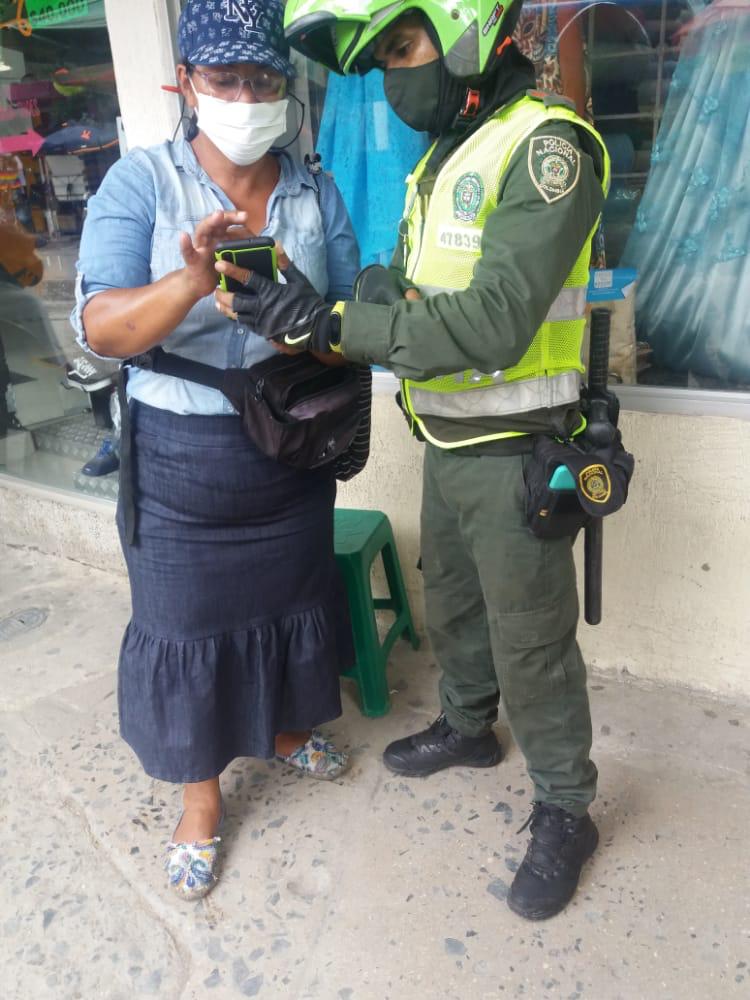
x: 371, y: 888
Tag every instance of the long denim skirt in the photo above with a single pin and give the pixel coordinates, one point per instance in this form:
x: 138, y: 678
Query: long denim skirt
x: 240, y: 625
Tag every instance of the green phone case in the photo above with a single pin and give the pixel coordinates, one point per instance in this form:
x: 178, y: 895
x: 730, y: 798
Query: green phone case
x: 248, y: 257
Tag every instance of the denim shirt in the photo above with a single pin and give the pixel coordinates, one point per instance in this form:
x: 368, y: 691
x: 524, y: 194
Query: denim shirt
x: 131, y: 239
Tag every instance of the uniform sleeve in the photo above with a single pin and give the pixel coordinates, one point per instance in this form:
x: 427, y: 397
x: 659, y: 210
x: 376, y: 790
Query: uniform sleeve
x: 529, y: 247
x: 116, y: 241
x: 341, y: 243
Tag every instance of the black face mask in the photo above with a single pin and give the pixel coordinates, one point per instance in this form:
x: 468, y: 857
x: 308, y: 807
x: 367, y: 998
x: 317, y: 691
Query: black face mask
x: 427, y: 98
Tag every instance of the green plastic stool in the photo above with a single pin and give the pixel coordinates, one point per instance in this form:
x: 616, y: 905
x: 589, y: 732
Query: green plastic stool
x: 360, y: 536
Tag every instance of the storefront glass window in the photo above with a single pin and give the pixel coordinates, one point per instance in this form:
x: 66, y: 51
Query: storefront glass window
x: 671, y: 93
x: 58, y: 137
x: 668, y: 85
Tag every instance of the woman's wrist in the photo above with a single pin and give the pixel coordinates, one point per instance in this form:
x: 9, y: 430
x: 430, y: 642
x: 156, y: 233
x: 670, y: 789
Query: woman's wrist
x: 190, y: 288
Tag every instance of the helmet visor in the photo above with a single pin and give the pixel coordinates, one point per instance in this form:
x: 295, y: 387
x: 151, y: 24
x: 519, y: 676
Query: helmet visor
x: 313, y: 36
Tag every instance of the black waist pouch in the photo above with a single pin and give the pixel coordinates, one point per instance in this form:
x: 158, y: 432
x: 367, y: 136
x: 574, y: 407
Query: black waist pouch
x: 295, y: 409
x: 601, y: 475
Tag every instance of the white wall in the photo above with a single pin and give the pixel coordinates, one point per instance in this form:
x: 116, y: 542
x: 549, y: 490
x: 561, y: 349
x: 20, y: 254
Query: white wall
x: 677, y: 573
x: 142, y: 34
x: 677, y: 557
x: 677, y: 584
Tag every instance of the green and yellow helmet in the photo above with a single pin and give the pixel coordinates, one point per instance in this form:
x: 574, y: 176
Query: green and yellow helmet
x: 340, y: 33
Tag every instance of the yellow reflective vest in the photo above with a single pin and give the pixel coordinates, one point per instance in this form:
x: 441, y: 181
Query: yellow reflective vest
x: 442, y: 242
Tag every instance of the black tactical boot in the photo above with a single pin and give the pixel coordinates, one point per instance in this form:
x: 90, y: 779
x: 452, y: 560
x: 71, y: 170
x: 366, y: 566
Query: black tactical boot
x: 438, y: 747
x: 548, y: 876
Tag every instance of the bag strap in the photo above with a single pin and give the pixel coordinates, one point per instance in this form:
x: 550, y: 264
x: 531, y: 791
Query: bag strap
x: 163, y: 363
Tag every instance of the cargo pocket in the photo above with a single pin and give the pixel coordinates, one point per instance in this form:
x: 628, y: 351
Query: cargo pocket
x: 535, y: 652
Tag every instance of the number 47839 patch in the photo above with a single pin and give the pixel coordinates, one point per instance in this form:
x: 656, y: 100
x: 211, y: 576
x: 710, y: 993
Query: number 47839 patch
x: 459, y: 238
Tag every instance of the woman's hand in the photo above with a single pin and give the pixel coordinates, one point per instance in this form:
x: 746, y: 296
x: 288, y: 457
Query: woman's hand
x: 122, y: 322
x: 198, y: 250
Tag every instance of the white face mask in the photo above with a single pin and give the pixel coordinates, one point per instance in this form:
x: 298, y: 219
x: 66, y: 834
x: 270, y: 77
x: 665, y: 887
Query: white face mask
x: 243, y: 132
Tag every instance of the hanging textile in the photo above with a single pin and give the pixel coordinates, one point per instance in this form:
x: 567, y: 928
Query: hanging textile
x: 536, y: 36
x: 551, y: 37
x: 369, y: 151
x: 692, y: 231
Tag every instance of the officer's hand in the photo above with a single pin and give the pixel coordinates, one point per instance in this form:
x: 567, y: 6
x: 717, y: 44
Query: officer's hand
x: 293, y: 314
x: 383, y: 286
x: 225, y: 300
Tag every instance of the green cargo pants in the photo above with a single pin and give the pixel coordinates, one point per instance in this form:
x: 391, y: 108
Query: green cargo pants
x: 502, y: 610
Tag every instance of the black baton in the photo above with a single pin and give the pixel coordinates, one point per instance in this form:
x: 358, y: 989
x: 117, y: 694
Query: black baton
x: 601, y: 407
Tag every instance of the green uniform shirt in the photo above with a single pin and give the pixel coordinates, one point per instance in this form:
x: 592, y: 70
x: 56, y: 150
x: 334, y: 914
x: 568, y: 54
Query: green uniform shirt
x: 529, y: 247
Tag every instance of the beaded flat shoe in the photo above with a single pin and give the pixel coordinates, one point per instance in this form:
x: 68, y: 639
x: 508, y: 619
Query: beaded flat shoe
x: 317, y: 758
x: 191, y: 867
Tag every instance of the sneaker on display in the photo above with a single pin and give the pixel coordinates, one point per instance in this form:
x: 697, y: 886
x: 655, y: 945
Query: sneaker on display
x: 105, y: 461
x: 82, y: 374
x: 9, y: 422
x: 14, y: 424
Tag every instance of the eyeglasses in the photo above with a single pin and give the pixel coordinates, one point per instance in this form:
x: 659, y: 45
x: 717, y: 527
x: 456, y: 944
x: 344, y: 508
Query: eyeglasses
x: 266, y: 84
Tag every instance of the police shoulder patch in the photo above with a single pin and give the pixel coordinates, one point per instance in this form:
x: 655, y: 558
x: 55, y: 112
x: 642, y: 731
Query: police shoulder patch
x: 554, y: 166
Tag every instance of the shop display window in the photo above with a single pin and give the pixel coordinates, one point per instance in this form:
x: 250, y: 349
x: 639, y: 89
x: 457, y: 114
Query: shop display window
x: 667, y: 83
x: 670, y: 92
x: 58, y: 137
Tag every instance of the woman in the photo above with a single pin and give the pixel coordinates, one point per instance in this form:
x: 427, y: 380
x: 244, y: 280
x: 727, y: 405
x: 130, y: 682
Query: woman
x: 239, y: 630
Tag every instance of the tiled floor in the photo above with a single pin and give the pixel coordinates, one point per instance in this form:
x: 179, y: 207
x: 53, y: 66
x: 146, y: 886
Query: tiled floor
x: 59, y: 449
x: 370, y: 888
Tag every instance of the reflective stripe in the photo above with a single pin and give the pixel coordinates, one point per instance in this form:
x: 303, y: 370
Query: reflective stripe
x: 473, y: 375
x: 497, y: 400
x: 570, y: 304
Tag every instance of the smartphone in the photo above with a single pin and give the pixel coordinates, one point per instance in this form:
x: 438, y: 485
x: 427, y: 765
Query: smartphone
x: 254, y: 254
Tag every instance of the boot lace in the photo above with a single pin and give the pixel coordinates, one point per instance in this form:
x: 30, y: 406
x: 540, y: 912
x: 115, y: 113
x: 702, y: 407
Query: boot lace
x: 440, y: 725
x: 550, y: 830
x: 443, y: 730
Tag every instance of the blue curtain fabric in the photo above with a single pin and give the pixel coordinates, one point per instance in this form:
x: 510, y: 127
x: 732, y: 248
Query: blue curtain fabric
x: 691, y: 237
x: 369, y: 151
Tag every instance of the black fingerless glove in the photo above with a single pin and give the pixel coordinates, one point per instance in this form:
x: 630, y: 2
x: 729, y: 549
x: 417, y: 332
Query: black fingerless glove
x: 292, y: 314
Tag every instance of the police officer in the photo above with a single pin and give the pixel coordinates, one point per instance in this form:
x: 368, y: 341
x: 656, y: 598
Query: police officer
x: 493, y: 256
